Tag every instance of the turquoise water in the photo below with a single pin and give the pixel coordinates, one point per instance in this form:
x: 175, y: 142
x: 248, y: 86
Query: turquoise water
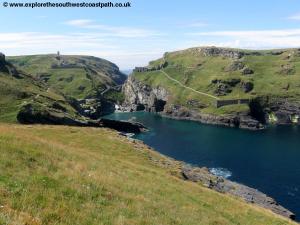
x: 267, y: 160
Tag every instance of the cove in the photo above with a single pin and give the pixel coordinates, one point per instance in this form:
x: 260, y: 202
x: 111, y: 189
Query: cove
x: 268, y: 160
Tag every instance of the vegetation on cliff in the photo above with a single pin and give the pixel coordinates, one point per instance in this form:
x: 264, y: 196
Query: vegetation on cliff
x: 18, y: 89
x: 69, y: 175
x: 75, y: 76
x: 226, y: 74
x: 62, y: 87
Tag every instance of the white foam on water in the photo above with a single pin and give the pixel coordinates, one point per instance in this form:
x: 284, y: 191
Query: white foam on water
x: 220, y: 172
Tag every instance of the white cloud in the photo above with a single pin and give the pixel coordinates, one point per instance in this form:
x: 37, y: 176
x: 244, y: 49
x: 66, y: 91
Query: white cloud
x: 294, y: 17
x: 79, y: 23
x: 130, y: 52
x: 114, y: 31
x: 123, y: 54
x: 252, y: 38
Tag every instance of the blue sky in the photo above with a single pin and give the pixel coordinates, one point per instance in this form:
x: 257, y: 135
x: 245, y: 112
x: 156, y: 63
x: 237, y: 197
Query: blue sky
x: 133, y: 36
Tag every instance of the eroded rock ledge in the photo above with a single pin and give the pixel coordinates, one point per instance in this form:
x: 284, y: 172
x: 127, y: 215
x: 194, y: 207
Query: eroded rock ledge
x: 222, y: 185
x: 142, y: 97
x: 205, y: 178
x: 263, y: 110
x: 40, y: 114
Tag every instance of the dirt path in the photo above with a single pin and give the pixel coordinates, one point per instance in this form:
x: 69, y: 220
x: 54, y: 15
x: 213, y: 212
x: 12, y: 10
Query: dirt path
x: 184, y: 86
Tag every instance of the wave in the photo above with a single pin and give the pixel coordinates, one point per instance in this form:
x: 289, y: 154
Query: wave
x: 220, y: 172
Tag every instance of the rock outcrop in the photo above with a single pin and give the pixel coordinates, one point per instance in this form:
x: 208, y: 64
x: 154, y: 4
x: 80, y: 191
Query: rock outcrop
x: 247, y: 71
x: 285, y: 112
x: 243, y: 121
x: 39, y: 114
x: 236, y: 65
x: 142, y: 97
x: 8, y: 68
x: 224, y: 87
x: 275, y: 111
x: 139, y: 96
x: 223, y: 52
x: 123, y: 126
x: 223, y: 185
x: 247, y: 86
x: 2, y: 63
x: 2, y: 57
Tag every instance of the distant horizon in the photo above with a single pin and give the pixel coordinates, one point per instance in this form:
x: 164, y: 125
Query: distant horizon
x: 130, y: 69
x: 133, y: 36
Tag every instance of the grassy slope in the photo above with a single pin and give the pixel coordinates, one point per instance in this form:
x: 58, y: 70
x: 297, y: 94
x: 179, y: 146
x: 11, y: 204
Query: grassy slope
x: 197, y: 71
x: 84, y: 78
x: 16, y: 92
x: 68, y: 175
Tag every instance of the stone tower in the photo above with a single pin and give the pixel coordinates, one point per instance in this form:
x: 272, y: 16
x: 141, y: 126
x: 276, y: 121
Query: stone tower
x: 58, y: 55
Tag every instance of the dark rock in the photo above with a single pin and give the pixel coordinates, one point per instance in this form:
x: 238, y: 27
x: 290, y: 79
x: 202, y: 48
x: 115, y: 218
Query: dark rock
x: 254, y: 53
x: 39, y: 114
x: 2, y: 57
x: 215, y: 81
x: 239, y: 121
x: 257, y: 110
x: 247, y: 86
x: 34, y: 114
x: 123, y: 126
x: 139, y: 96
x: 195, y: 104
x: 69, y: 79
x: 231, y: 82
x: 246, y: 122
x: 223, y: 185
x: 81, y: 88
x: 236, y: 65
x: 287, y: 69
x: 58, y: 106
x: 277, y: 52
x: 93, y: 108
x: 247, y: 71
x: 44, y: 76
x: 7, y: 67
x: 285, y: 111
x: 3, y: 63
x: 223, y: 52
x: 222, y: 89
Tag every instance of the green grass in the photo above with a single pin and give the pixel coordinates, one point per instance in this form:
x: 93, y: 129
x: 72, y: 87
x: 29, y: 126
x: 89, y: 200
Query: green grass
x: 84, y: 77
x: 197, y: 71
x: 68, y: 175
x: 16, y: 92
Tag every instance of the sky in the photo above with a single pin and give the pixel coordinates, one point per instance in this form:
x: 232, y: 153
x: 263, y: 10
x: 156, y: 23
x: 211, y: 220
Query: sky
x: 134, y: 36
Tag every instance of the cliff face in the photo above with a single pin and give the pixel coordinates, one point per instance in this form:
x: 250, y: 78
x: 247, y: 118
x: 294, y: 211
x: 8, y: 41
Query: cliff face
x: 139, y: 96
x: 223, y: 185
x: 286, y: 112
x: 276, y: 111
x: 142, y: 97
x: 265, y: 80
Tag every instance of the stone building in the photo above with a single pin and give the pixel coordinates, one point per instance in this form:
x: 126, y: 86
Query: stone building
x: 140, y: 69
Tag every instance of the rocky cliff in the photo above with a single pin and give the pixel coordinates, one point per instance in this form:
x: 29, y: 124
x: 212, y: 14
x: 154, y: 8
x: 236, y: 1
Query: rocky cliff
x: 204, y: 176
x: 142, y: 97
x: 266, y: 81
x: 280, y: 111
x: 263, y: 111
x: 139, y: 96
x: 223, y: 185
